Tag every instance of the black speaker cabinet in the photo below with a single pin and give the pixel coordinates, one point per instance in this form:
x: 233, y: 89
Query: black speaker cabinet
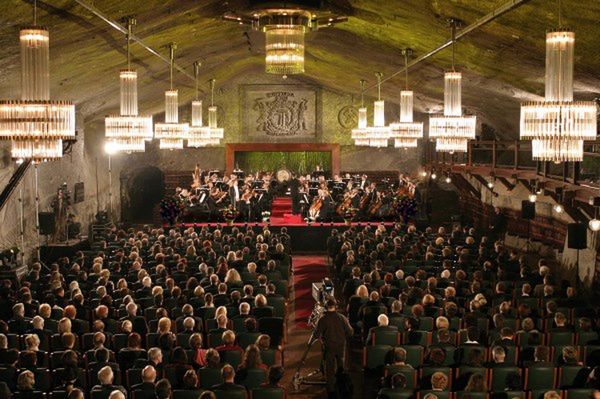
x: 577, y: 233
x: 527, y: 210
x: 47, y: 225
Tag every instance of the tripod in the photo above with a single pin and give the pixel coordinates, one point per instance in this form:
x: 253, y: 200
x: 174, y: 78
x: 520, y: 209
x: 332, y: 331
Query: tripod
x: 305, y: 380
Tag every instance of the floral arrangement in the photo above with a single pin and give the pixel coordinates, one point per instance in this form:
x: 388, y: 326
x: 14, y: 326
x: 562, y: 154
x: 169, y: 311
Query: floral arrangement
x: 349, y: 214
x: 266, y: 215
x: 406, y: 207
x: 170, y: 209
x: 229, y: 214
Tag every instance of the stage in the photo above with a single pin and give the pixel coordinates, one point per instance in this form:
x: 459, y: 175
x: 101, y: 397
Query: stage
x: 305, y: 237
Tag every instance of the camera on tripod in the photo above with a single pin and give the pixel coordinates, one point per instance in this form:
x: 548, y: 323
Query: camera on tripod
x: 323, y: 290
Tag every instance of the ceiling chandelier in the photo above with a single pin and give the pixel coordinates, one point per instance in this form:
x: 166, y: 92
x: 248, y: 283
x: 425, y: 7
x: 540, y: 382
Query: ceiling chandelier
x: 171, y: 133
x: 359, y: 134
x: 379, y: 133
x: 285, y: 28
x: 558, y: 125
x: 199, y: 135
x: 405, y: 132
x: 128, y: 131
x: 36, y: 125
x: 452, y: 131
x: 216, y: 132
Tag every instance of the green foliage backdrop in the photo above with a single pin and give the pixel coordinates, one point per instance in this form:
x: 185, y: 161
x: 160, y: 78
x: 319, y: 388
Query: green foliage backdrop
x: 298, y: 162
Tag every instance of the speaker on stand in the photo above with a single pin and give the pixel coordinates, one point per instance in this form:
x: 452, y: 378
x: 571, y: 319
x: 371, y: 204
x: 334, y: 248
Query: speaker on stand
x: 577, y: 239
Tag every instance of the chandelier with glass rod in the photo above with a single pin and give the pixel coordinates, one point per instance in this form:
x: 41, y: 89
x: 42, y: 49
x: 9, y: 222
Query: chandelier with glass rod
x: 452, y: 131
x: 359, y: 134
x: 35, y: 124
x: 128, y: 131
x: 405, y: 132
x: 285, y: 30
x: 199, y: 135
x: 216, y: 132
x: 379, y: 133
x: 558, y: 126
x: 171, y: 133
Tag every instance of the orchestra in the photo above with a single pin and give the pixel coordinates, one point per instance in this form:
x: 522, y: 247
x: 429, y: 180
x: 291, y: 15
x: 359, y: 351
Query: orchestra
x: 314, y: 196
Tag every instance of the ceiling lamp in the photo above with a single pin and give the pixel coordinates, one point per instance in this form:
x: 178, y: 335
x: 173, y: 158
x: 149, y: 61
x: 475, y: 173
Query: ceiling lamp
x: 379, y: 133
x: 285, y: 28
x: 36, y: 125
x: 558, y: 125
x: 452, y: 131
x: 171, y: 133
x: 360, y: 133
x: 216, y: 132
x: 405, y: 132
x: 128, y: 131
x: 199, y: 135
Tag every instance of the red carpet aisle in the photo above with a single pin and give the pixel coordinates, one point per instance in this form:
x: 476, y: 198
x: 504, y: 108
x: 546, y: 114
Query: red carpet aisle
x: 307, y: 270
x: 281, y: 212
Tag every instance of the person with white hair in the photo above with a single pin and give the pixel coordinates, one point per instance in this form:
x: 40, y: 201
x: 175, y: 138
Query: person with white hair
x: 106, y: 386
x: 147, y: 385
x: 382, y: 328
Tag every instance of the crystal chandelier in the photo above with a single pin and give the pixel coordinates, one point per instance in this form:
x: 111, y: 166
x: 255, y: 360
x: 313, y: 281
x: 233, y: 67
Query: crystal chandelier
x: 359, y: 134
x: 36, y: 125
x: 199, y: 135
x: 379, y: 133
x: 285, y: 30
x: 171, y: 133
x: 128, y: 131
x: 216, y: 132
x: 452, y: 131
x: 558, y: 125
x: 405, y: 132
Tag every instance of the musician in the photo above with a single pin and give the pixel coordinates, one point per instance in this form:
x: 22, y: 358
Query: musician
x: 245, y: 203
x: 303, y: 200
x: 364, y: 183
x: 294, y: 192
x: 234, y: 193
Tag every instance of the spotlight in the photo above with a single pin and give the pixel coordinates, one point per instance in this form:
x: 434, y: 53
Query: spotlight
x: 433, y: 176
x: 532, y: 197
x: 448, y: 180
x: 110, y: 148
x: 594, y: 224
x: 490, y: 185
x: 558, y: 208
x: 424, y: 173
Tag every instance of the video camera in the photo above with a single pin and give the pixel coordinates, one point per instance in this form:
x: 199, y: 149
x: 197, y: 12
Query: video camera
x: 323, y: 290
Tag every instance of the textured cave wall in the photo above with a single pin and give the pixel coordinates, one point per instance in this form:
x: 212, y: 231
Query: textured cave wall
x: 79, y: 166
x: 228, y: 98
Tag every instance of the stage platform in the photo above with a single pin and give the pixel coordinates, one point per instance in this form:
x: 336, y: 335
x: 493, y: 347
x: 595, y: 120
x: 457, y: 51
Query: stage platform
x: 305, y: 238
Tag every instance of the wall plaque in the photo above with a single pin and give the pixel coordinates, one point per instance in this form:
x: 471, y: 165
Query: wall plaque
x: 279, y: 111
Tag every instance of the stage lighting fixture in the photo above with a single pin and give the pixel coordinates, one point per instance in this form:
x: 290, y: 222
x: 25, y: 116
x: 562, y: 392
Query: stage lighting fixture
x: 594, y: 224
x: 490, y: 185
x: 448, y: 180
x: 532, y: 197
x: 433, y: 176
x: 558, y: 208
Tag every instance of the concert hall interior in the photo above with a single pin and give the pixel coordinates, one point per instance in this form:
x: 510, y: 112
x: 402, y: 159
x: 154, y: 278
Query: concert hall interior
x: 264, y: 199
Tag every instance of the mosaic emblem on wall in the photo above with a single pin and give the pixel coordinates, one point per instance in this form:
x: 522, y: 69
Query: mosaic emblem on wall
x: 279, y: 111
x: 348, y: 117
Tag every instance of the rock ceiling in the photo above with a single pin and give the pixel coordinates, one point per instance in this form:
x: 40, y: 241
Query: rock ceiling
x: 502, y: 62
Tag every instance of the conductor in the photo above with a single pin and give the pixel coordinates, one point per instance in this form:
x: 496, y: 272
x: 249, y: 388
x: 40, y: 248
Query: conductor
x: 334, y: 330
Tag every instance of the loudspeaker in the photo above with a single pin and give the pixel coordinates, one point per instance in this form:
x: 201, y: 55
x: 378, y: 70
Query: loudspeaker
x: 47, y: 226
x: 577, y: 233
x: 527, y: 210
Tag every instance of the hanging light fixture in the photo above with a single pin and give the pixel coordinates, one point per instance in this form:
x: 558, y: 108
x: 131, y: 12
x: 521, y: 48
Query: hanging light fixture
x: 128, y: 131
x: 360, y: 133
x: 171, y: 133
x: 216, y: 132
x: 379, y: 133
x: 199, y: 135
x: 285, y: 29
x: 405, y: 132
x: 558, y: 125
x: 36, y: 125
x: 452, y: 131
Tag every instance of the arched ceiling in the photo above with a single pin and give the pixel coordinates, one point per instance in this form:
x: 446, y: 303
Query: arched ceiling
x: 502, y: 62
